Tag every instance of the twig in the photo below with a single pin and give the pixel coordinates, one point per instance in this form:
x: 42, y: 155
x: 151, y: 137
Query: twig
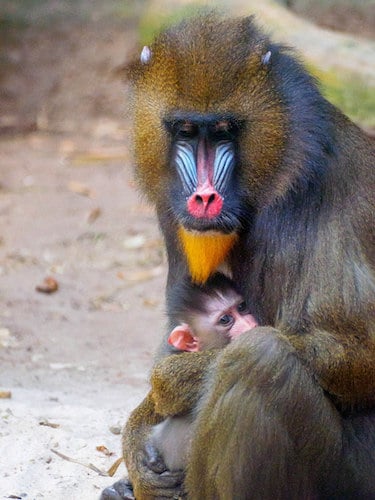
x: 89, y: 466
x: 49, y: 424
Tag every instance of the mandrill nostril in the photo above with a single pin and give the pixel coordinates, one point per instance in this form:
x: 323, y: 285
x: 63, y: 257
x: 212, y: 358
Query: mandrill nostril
x: 205, y: 199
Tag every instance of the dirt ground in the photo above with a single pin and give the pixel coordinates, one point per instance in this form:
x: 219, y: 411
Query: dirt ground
x: 75, y: 362
x: 73, y: 357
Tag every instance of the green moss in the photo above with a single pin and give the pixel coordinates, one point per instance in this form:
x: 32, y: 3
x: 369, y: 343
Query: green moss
x: 349, y: 92
x: 153, y: 22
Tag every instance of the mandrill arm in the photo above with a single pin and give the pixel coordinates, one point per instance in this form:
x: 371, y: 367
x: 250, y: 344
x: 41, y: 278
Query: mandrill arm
x: 146, y: 482
x: 176, y: 383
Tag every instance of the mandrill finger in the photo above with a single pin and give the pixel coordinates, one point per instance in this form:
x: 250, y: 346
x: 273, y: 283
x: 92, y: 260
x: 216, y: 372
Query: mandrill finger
x: 121, y: 490
x: 153, y: 460
x: 165, y: 481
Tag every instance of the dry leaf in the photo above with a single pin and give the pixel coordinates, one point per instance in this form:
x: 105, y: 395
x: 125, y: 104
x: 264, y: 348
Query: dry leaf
x: 49, y: 285
x: 82, y: 189
x: 93, y: 215
x: 5, y: 394
x: 67, y: 146
x: 150, y: 302
x: 144, y: 275
x: 113, y: 469
x: 105, y: 450
x: 49, y: 424
x: 98, y: 156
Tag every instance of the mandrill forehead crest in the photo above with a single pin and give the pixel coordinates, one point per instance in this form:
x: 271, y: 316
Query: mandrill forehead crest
x: 184, y: 61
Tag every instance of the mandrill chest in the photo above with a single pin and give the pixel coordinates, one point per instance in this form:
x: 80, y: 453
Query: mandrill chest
x: 205, y: 252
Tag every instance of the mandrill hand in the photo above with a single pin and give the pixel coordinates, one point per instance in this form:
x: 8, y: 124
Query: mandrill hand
x: 176, y: 383
x: 149, y: 477
x: 121, y: 490
x: 147, y: 472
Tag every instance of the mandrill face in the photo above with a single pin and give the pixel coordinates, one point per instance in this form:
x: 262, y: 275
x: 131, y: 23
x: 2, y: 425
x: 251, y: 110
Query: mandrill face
x: 207, y: 122
x: 216, y: 128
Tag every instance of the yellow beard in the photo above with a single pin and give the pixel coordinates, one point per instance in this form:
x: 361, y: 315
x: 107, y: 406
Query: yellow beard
x: 205, y: 251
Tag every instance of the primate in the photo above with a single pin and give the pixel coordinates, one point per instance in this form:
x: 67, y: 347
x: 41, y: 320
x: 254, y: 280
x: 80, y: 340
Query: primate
x: 251, y: 168
x: 209, y: 316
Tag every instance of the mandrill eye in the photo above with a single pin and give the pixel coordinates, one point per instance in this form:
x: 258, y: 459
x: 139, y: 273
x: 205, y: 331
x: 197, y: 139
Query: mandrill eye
x: 222, y: 126
x: 226, y: 320
x: 222, y: 130
x: 187, y: 130
x: 181, y: 129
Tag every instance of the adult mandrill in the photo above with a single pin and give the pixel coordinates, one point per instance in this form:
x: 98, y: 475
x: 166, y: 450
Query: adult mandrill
x: 250, y: 167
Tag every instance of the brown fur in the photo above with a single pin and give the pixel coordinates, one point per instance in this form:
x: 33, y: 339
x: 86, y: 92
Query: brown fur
x: 182, y: 374
x: 288, y: 411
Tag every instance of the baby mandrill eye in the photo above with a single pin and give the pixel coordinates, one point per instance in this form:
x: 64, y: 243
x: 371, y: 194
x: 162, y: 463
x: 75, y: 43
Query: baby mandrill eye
x: 226, y: 320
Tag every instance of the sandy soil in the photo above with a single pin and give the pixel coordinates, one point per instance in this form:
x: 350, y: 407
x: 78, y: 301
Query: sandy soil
x: 75, y: 361
x: 72, y: 357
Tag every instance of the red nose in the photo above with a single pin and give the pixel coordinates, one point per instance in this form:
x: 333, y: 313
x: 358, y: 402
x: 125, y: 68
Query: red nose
x: 205, y: 203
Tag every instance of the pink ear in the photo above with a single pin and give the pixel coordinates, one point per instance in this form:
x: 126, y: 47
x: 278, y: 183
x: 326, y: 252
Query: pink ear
x: 181, y: 338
